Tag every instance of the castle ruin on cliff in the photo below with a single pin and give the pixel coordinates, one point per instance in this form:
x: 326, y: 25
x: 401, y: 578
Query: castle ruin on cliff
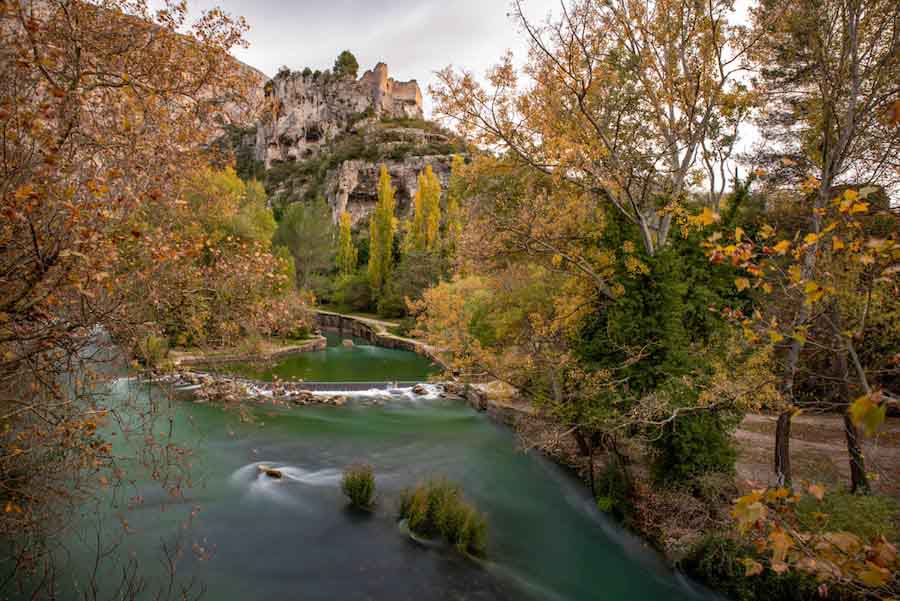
x: 304, y: 111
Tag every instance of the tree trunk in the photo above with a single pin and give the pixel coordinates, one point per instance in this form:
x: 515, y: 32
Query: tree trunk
x: 581, y: 441
x: 859, y: 481
x: 586, y: 446
x: 783, y: 449
x: 591, y: 471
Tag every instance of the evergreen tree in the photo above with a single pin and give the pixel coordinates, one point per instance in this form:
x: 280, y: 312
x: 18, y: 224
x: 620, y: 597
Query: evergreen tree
x: 308, y: 232
x: 347, y: 254
x: 381, y: 234
x: 345, y: 65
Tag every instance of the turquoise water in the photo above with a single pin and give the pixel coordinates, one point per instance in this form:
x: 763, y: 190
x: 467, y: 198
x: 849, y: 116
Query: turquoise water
x: 243, y: 536
x: 362, y: 362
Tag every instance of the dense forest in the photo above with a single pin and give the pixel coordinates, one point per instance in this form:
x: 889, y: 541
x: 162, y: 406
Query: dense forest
x: 669, y: 216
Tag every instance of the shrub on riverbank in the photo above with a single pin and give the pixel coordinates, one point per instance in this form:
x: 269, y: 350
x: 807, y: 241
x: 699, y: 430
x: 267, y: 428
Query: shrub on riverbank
x: 358, y: 484
x: 437, y: 508
x: 152, y: 350
x: 718, y: 562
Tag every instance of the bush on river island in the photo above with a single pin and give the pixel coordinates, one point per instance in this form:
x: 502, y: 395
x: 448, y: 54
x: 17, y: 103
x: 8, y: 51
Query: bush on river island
x: 358, y: 484
x: 437, y: 508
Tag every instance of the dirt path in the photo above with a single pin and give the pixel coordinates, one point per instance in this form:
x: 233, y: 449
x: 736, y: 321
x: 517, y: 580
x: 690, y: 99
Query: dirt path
x: 818, y: 451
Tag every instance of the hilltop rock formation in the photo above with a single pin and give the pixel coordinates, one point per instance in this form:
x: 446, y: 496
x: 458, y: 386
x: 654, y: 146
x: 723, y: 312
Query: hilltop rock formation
x: 304, y: 110
x: 320, y: 135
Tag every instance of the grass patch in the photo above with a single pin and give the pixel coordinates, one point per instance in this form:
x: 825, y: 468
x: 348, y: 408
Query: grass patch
x: 437, y: 509
x: 358, y: 484
x: 867, y: 516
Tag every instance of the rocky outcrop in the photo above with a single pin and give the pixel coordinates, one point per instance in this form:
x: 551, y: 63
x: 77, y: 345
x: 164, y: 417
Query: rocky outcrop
x: 353, y: 185
x: 304, y: 111
x: 320, y: 135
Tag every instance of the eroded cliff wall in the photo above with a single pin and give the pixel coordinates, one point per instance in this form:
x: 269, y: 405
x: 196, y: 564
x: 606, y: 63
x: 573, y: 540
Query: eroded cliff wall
x: 304, y: 111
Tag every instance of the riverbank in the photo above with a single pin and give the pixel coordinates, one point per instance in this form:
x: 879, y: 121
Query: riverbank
x: 677, y: 521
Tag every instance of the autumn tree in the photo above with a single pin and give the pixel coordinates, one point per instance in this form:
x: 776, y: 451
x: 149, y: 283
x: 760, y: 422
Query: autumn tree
x: 829, y: 72
x: 347, y: 253
x: 104, y: 108
x: 425, y: 230
x: 381, y: 234
x: 454, y: 215
x: 626, y: 100
x: 228, y: 281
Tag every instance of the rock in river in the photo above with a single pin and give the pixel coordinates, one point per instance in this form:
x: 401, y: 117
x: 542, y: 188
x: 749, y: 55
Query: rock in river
x: 271, y: 472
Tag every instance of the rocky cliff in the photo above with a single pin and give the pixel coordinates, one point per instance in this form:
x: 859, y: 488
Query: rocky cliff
x: 324, y: 136
x: 304, y: 111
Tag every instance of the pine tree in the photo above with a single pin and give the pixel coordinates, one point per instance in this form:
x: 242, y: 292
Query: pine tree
x: 345, y: 65
x: 381, y: 234
x: 347, y: 253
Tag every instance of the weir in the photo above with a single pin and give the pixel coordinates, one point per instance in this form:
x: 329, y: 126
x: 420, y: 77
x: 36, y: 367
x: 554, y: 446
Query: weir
x: 356, y: 386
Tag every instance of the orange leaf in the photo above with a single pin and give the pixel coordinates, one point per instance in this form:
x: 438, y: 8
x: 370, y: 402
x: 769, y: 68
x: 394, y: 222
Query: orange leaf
x: 817, y: 490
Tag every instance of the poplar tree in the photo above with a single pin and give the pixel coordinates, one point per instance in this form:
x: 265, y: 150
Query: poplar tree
x: 427, y: 218
x: 416, y: 234
x: 347, y: 253
x: 454, y: 211
x: 381, y: 233
x: 431, y: 204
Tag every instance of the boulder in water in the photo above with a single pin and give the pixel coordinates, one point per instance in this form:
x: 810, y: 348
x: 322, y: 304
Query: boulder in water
x: 420, y: 389
x: 347, y: 343
x: 271, y: 472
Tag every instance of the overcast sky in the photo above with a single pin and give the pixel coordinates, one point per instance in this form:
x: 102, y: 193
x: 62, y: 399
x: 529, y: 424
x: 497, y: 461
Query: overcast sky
x: 414, y: 37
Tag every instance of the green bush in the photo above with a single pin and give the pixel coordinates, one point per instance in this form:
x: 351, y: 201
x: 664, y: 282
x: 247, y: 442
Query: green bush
x: 436, y: 508
x: 358, y: 485
x: 353, y: 292
x: 614, y: 493
x: 693, y: 445
x: 152, y: 350
x: 716, y: 561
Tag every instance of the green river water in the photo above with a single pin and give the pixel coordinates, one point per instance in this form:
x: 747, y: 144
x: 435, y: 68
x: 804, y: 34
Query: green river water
x: 295, y: 539
x: 362, y: 362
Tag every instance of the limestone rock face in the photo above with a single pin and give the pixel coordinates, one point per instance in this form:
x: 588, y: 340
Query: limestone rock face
x: 353, y: 185
x: 303, y: 112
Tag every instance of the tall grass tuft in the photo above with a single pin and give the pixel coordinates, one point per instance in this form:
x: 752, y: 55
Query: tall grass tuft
x: 358, y: 484
x: 436, y: 508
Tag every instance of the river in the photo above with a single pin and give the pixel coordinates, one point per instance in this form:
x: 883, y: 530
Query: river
x: 295, y: 538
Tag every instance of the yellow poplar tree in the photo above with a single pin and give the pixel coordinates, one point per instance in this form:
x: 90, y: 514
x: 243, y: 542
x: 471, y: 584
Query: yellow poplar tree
x: 454, y: 195
x: 416, y: 233
x: 427, y: 218
x: 381, y: 233
x: 347, y: 253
